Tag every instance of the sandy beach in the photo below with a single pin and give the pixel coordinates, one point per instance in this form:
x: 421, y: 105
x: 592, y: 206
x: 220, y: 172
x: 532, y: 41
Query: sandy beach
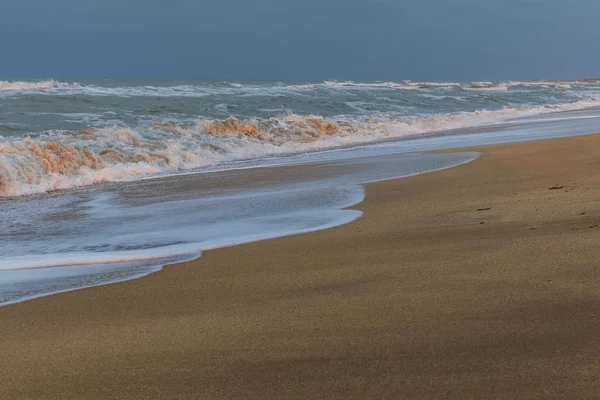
x: 480, y: 281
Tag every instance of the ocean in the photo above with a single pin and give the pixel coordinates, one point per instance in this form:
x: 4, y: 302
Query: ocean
x: 109, y: 180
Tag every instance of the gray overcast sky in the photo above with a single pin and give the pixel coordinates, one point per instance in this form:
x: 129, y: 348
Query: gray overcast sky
x: 301, y: 39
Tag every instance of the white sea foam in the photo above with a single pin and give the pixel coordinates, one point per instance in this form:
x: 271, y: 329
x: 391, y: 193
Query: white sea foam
x: 306, y: 86
x: 384, y: 85
x: 429, y: 85
x: 490, y: 88
x: 91, y: 258
x: 235, y: 85
x: 27, y: 86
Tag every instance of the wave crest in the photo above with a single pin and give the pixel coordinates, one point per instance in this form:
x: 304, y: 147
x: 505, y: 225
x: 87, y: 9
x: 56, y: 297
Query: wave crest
x: 305, y: 129
x: 22, y: 86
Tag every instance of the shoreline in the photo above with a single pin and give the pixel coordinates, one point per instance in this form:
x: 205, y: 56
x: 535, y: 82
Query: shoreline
x: 472, y: 281
x: 302, y: 199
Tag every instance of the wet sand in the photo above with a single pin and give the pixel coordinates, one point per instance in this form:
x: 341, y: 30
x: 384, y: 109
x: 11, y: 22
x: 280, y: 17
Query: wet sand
x: 480, y: 281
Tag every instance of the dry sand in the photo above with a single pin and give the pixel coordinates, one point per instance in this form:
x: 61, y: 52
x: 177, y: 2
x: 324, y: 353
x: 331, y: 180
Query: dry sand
x: 425, y: 296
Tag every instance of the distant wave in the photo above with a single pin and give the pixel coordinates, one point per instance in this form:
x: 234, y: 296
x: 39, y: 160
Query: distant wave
x: 55, y: 160
x: 406, y: 85
x: 24, y: 86
x: 486, y: 88
x: 469, y: 86
x: 53, y: 87
x: 389, y: 85
x: 235, y: 84
x: 430, y: 85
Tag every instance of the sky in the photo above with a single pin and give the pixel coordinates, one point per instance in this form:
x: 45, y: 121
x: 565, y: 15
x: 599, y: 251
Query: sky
x: 300, y: 39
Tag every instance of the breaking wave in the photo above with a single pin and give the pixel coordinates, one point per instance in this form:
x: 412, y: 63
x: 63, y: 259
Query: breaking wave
x: 468, y: 86
x: 54, y: 160
x: 25, y: 86
x: 486, y: 87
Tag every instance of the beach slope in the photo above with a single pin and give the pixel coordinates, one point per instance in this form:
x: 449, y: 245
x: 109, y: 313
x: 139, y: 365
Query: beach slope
x: 480, y: 281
